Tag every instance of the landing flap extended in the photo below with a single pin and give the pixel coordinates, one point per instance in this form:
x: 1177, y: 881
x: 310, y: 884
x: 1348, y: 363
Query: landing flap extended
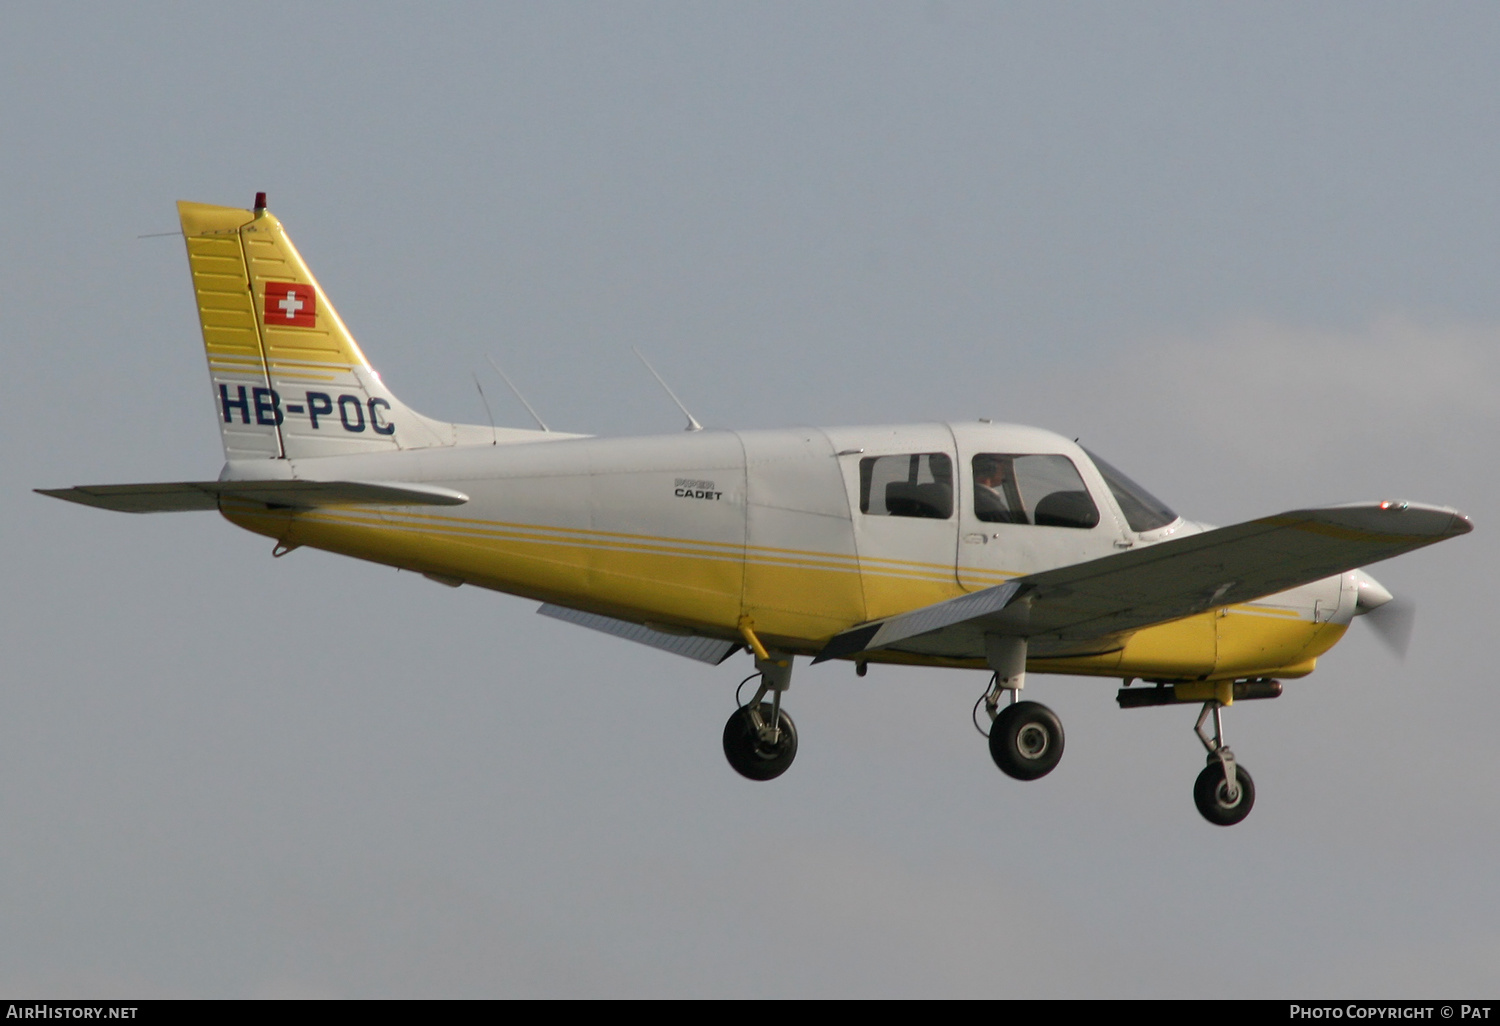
x: 706, y: 650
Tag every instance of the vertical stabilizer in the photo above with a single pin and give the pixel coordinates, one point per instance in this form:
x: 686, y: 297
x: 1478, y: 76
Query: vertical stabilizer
x: 288, y: 379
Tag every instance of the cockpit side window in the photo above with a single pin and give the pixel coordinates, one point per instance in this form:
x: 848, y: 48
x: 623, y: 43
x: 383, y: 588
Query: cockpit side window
x: 918, y: 484
x: 1040, y: 489
x: 1143, y: 511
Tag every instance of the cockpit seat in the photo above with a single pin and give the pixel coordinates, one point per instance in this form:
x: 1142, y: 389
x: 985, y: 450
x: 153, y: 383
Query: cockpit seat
x: 1066, y: 509
x: 930, y: 499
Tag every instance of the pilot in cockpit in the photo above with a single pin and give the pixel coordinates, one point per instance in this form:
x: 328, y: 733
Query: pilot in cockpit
x: 995, y: 497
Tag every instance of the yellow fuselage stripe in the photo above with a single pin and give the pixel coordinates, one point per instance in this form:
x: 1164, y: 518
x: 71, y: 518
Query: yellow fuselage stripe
x: 798, y: 598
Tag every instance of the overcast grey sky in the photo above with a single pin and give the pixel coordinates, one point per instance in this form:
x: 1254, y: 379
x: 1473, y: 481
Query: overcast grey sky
x: 1248, y: 252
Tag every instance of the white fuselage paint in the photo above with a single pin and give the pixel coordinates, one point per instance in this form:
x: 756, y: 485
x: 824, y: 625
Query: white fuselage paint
x: 791, y: 490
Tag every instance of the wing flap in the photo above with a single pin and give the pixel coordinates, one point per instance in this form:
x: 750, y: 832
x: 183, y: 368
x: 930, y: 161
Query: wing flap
x: 929, y: 619
x: 187, y: 496
x: 1105, y: 599
x: 706, y: 650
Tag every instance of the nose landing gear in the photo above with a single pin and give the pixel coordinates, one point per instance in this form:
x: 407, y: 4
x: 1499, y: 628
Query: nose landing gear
x: 1223, y: 792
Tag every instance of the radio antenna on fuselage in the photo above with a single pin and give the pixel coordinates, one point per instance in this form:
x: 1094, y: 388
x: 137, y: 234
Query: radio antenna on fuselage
x: 517, y: 392
x: 494, y: 437
x: 693, y: 424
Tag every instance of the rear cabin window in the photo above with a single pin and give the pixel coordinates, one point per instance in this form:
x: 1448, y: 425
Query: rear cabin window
x: 916, y: 484
x: 1045, y: 490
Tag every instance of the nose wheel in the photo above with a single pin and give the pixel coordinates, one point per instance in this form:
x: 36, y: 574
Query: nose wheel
x: 1223, y: 792
x: 1221, y: 803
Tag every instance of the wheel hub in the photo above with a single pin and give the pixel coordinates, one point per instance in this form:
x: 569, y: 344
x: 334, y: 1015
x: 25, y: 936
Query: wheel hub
x: 1032, y: 741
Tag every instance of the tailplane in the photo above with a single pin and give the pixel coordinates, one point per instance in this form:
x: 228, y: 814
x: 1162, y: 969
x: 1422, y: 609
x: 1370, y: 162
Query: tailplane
x: 288, y: 379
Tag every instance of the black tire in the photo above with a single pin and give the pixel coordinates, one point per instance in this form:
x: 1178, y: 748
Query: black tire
x: 1026, y: 740
x: 1211, y: 794
x: 751, y: 757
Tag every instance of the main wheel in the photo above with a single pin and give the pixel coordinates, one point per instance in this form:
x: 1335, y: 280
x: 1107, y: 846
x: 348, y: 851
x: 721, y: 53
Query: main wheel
x: 749, y: 755
x: 1211, y: 793
x: 1026, y: 740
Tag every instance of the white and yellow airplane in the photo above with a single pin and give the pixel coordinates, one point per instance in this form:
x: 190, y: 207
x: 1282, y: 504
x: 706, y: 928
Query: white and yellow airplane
x: 976, y: 545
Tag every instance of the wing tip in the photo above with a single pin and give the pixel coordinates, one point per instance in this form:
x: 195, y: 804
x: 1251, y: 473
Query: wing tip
x: 1392, y: 518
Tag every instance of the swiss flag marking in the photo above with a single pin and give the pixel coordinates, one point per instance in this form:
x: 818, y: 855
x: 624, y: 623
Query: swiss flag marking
x: 291, y: 305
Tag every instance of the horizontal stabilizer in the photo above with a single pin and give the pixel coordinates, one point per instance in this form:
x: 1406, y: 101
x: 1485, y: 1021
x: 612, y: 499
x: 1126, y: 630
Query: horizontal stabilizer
x: 184, y: 496
x: 705, y: 650
x: 1111, y: 597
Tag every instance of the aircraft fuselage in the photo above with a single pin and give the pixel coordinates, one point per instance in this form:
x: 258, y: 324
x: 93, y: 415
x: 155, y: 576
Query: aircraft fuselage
x: 789, y: 528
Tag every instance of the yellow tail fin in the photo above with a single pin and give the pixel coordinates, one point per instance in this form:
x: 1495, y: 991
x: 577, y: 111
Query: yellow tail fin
x: 288, y: 378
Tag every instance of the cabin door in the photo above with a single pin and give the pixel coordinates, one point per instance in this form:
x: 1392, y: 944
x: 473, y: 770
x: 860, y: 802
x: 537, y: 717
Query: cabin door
x: 900, y: 483
x: 1023, y: 511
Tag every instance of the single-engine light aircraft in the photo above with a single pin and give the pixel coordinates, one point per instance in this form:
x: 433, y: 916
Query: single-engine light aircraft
x: 970, y: 545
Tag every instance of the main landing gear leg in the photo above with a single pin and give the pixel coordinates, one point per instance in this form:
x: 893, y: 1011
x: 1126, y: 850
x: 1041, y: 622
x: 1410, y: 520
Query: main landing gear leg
x: 1223, y: 792
x: 1026, y: 738
x: 760, y: 741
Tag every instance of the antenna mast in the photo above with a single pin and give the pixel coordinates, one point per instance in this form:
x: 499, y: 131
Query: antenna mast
x: 693, y: 424
x: 517, y: 392
x: 494, y: 438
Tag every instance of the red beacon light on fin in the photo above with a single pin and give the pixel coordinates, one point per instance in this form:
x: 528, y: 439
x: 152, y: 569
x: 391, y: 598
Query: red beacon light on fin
x: 260, y: 202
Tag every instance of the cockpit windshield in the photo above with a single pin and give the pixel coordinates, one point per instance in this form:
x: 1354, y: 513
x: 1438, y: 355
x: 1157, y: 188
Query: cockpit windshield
x: 1143, y: 511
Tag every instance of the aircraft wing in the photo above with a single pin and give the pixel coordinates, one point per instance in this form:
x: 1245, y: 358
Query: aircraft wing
x: 1103, y: 600
x: 184, y: 496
